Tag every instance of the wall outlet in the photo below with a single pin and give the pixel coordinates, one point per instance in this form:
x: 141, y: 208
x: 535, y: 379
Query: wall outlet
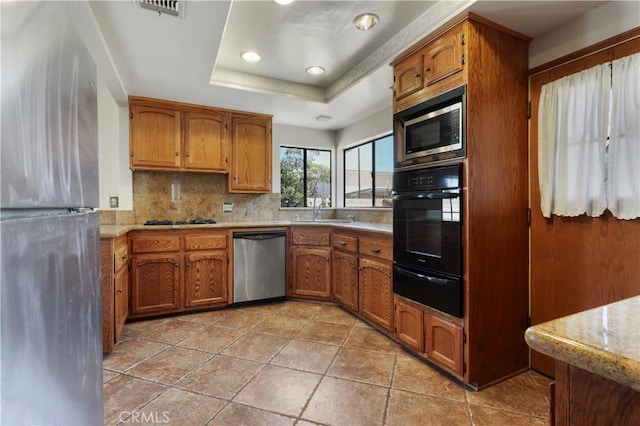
x: 227, y: 207
x: 113, y: 202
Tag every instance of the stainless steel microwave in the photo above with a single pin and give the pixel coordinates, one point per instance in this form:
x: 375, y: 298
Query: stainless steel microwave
x: 431, y: 131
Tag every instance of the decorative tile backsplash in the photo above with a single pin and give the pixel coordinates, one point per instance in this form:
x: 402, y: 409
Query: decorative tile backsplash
x: 181, y: 196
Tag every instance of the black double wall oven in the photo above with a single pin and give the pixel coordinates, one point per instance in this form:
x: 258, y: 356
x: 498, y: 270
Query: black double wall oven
x: 427, y: 237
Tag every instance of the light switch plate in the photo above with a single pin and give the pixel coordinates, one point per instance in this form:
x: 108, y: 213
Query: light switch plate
x: 227, y: 207
x: 113, y: 202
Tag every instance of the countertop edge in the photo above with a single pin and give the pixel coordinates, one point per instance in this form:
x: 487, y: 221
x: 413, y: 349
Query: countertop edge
x: 114, y: 231
x: 601, y: 362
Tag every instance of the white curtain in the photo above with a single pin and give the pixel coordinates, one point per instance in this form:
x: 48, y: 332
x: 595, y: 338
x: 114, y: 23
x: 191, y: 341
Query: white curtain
x: 623, y: 161
x: 572, y: 139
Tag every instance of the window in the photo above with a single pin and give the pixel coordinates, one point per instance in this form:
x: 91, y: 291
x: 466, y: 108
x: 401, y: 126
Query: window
x: 368, y: 173
x: 305, y: 174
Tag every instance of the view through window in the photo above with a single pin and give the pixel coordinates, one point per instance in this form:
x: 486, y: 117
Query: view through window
x: 305, y: 174
x: 368, y: 173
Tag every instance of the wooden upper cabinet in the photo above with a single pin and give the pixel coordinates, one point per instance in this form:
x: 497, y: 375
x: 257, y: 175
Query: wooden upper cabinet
x: 407, y: 76
x: 250, y: 170
x: 155, y: 138
x: 443, y: 57
x: 206, y: 141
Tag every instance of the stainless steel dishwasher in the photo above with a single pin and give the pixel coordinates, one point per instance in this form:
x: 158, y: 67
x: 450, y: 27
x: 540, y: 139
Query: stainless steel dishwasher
x: 259, y: 265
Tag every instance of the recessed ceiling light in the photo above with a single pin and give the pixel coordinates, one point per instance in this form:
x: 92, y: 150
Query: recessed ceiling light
x: 323, y: 118
x: 366, y: 21
x: 284, y: 2
x: 315, y: 70
x: 250, y: 56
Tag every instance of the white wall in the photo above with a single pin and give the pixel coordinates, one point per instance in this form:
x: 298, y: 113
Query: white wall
x: 113, y: 151
x: 601, y: 23
x: 376, y: 125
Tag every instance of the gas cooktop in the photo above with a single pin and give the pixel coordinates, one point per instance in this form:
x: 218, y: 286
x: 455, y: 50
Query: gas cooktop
x: 180, y: 222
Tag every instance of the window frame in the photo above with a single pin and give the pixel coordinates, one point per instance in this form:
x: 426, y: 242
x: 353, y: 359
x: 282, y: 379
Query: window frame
x: 373, y: 172
x: 304, y: 174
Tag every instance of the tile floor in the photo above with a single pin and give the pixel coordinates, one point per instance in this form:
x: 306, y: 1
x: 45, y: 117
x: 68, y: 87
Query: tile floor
x: 294, y: 363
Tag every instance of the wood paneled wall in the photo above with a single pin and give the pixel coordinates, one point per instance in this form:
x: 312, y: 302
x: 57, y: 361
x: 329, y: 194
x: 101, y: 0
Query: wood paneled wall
x: 582, y: 262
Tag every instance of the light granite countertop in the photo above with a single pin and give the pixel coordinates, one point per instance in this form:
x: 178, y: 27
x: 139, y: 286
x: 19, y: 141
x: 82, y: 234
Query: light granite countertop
x: 112, y: 231
x: 603, y: 340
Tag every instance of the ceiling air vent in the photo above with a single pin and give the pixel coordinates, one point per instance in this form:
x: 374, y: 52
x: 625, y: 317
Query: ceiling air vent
x: 172, y: 7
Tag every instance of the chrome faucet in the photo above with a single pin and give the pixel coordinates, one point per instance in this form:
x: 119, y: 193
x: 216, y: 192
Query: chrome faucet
x: 316, y: 211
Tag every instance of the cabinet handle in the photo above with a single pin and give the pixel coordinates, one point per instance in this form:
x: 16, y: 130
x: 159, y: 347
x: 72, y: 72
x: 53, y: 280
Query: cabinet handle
x: 375, y: 250
x: 177, y: 154
x: 188, y: 264
x: 119, y: 291
x: 123, y: 257
x: 343, y: 243
x: 417, y: 75
x: 177, y: 264
x: 187, y: 155
x: 427, y: 69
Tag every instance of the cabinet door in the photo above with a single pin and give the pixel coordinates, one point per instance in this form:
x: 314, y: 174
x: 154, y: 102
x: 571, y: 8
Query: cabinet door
x: 443, y: 342
x: 311, y: 272
x: 251, y: 155
x: 155, y: 282
x: 376, y: 292
x: 409, y: 325
x: 121, y: 300
x: 206, y: 278
x: 407, y: 76
x: 154, y: 138
x: 443, y: 57
x: 344, y: 271
x: 205, y: 143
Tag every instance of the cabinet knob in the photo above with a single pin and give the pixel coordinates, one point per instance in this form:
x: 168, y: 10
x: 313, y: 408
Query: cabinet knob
x: 427, y: 69
x: 187, y: 155
x: 177, y: 154
x: 375, y: 250
x: 417, y: 75
x: 119, y: 291
x: 123, y: 257
x: 343, y: 243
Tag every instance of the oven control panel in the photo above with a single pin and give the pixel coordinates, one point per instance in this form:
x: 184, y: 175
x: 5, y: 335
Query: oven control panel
x: 432, y: 178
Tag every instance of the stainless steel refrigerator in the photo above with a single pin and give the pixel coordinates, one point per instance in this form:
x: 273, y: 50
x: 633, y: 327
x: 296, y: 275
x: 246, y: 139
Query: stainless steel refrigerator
x: 50, y: 341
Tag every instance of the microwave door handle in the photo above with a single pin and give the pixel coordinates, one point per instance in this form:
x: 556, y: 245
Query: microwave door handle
x: 434, y: 280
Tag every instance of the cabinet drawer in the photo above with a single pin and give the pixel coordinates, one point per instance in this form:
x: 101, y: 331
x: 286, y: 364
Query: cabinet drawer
x: 380, y: 247
x: 205, y: 241
x: 120, y: 256
x: 154, y: 243
x: 310, y: 237
x: 344, y: 242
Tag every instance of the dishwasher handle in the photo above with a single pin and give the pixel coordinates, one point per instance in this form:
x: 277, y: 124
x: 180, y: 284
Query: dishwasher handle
x: 266, y: 235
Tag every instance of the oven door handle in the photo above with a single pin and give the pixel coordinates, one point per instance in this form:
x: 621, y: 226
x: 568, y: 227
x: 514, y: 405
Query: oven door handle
x: 434, y: 280
x: 428, y: 195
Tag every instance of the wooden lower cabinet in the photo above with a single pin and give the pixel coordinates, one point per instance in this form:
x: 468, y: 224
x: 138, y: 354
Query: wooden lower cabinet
x: 155, y: 283
x: 376, y: 292
x: 443, y: 343
x: 115, y: 289
x: 582, y: 398
x: 430, y: 333
x: 175, y: 271
x: 311, y: 272
x: 344, y: 273
x: 206, y: 278
x: 310, y: 260
x: 409, y: 324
